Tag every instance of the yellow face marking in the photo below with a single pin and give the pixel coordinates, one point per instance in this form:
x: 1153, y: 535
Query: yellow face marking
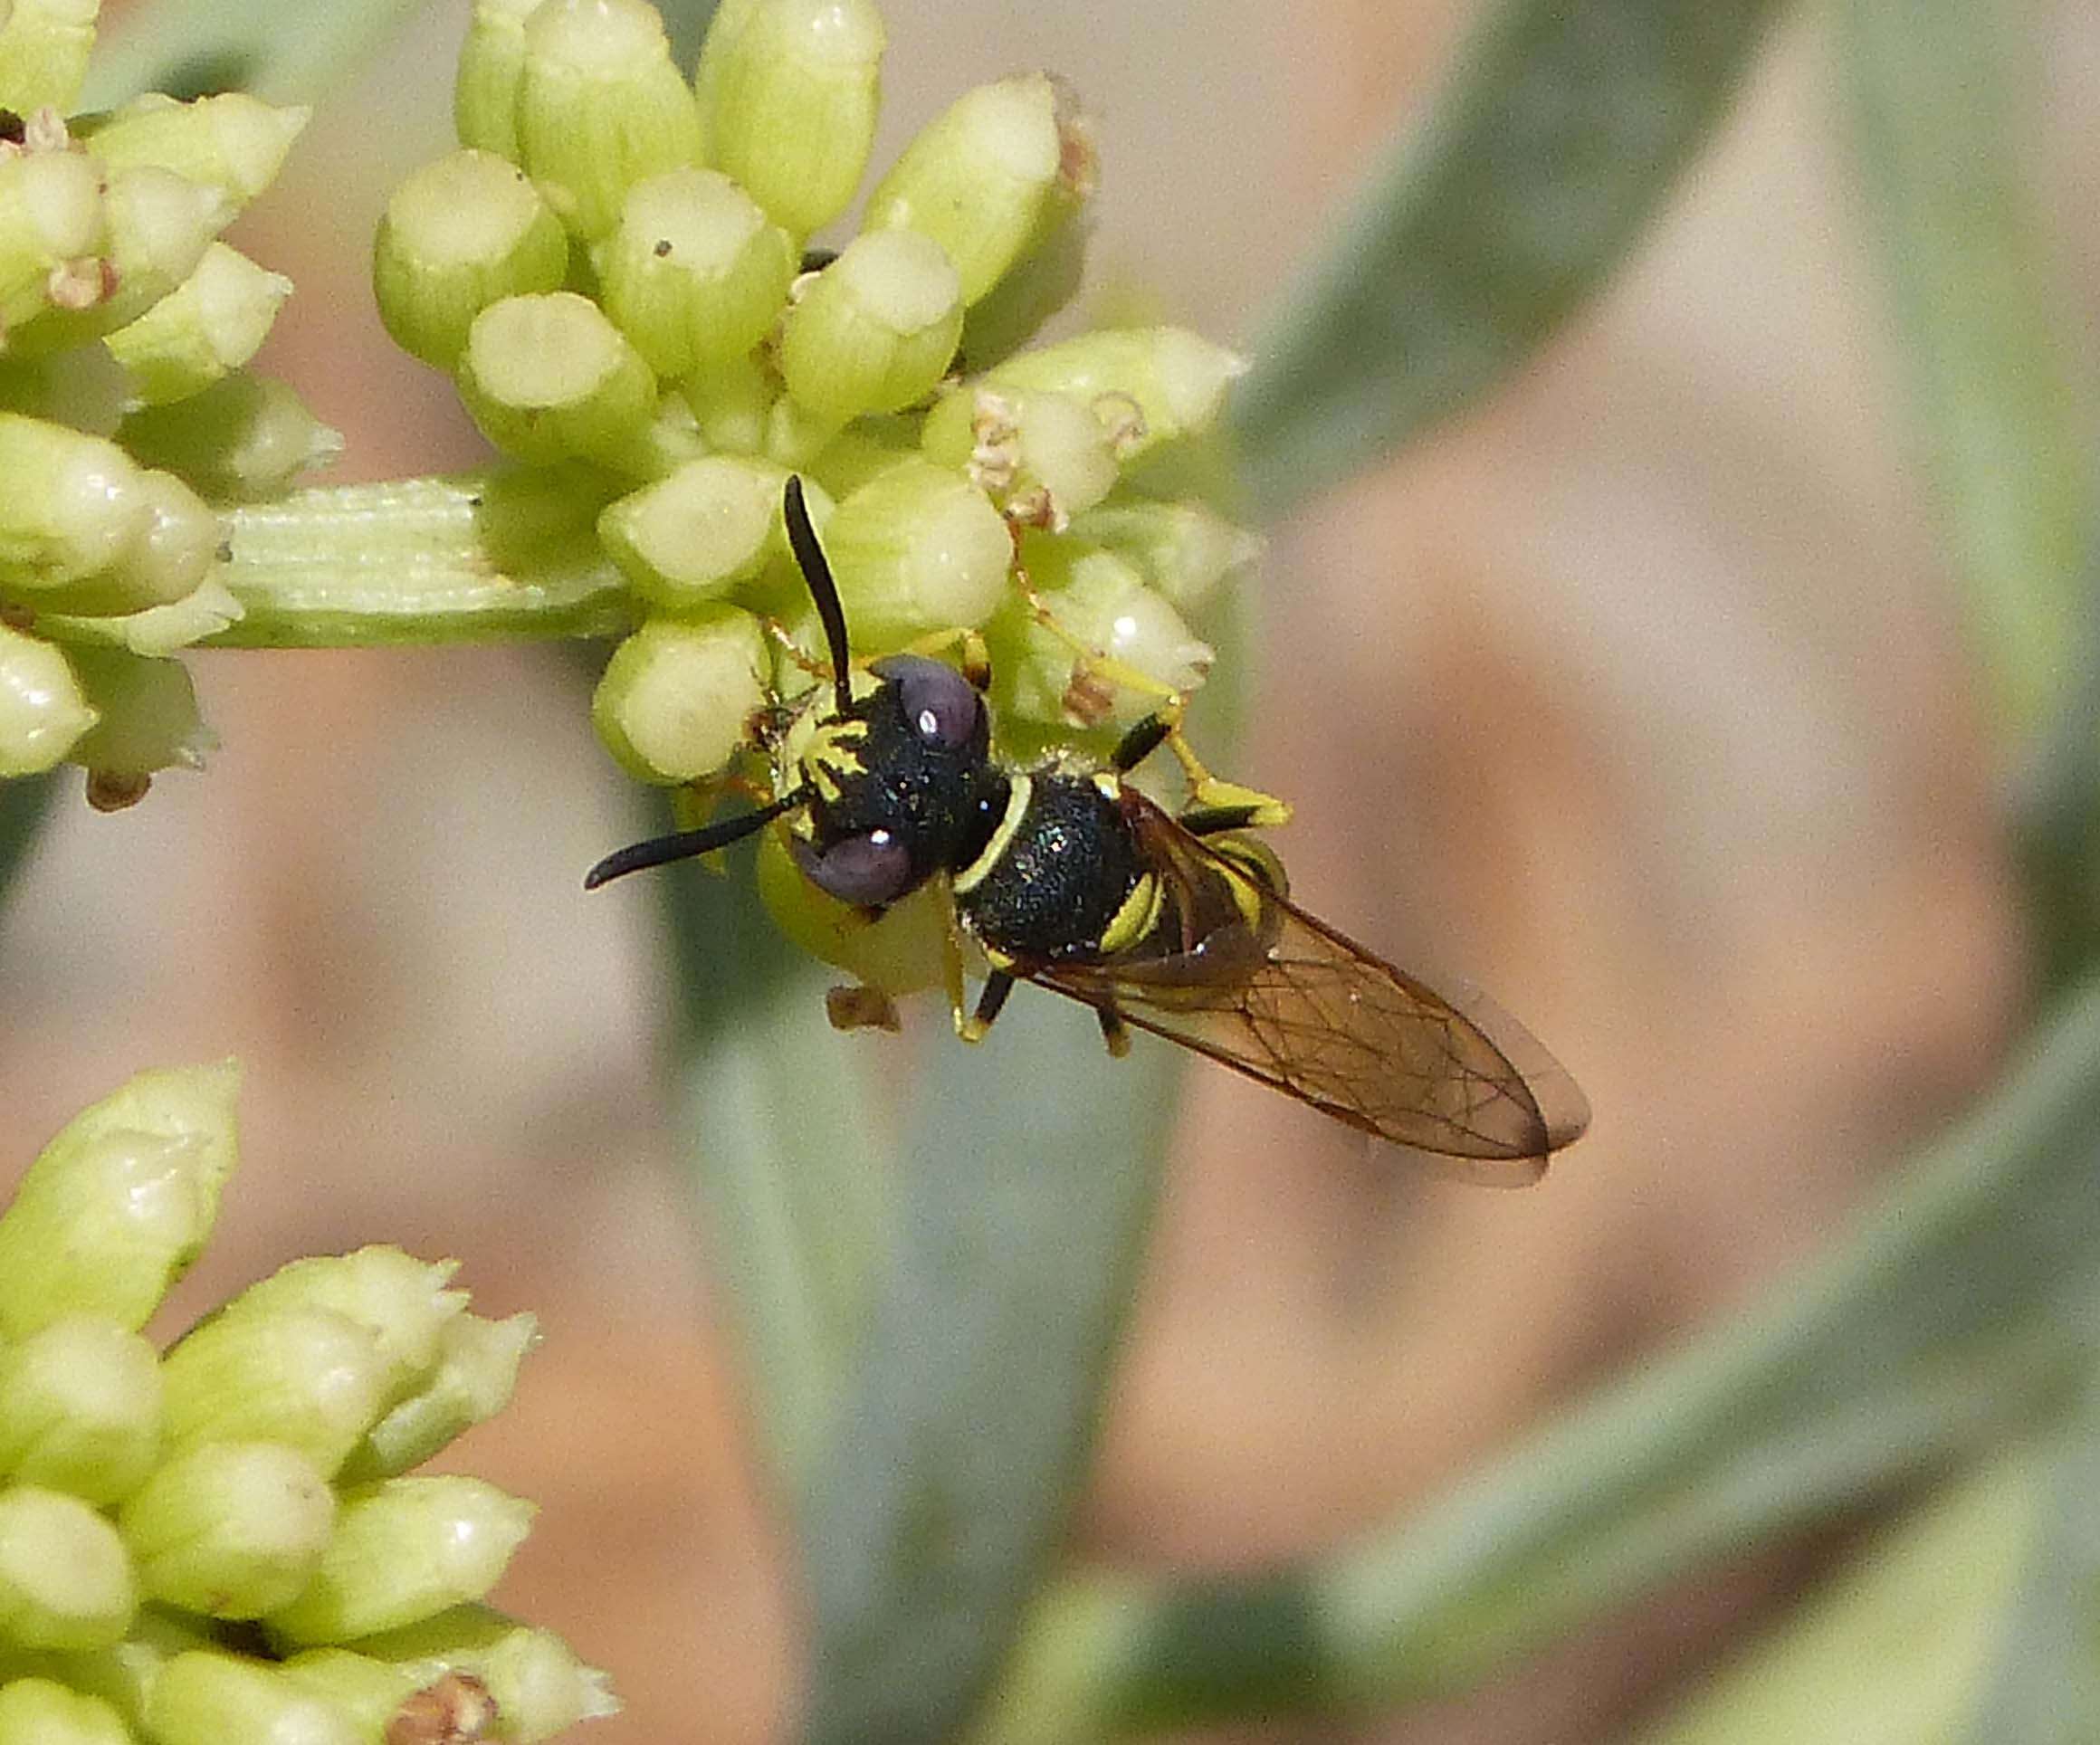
x: 1017, y: 792
x: 829, y: 755
x: 1136, y: 917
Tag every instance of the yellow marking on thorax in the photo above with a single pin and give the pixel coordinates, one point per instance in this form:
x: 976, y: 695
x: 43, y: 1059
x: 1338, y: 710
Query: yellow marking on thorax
x: 1017, y: 792
x: 1136, y: 917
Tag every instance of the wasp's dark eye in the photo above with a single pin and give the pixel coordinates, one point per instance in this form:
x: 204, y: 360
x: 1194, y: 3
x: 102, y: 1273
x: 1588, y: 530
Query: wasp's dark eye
x: 936, y: 700
x: 870, y: 869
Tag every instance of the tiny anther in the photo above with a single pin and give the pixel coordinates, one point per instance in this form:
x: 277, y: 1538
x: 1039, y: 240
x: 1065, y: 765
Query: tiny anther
x: 861, y: 1007
x: 1089, y: 699
x: 112, y: 793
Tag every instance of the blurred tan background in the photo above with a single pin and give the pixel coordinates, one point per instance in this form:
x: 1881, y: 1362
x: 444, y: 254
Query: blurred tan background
x: 1637, y: 696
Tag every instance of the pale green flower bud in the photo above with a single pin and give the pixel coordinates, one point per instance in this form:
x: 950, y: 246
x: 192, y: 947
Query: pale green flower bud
x: 229, y: 1529
x: 875, y: 330
x: 1044, y: 456
x: 549, y: 378
x: 540, y: 1687
x: 459, y: 234
x: 405, y: 1549
x: 860, y: 451
x: 170, y: 554
x: 791, y: 91
x: 916, y: 549
x: 79, y: 1408
x: 695, y: 274
x: 124, y: 1673
x: 40, y: 1711
x: 1053, y: 261
x: 217, y: 1699
x: 74, y: 504
x: 730, y: 403
x: 158, y: 227
x: 1146, y: 385
x: 477, y: 1369
x: 50, y: 227
x: 43, y: 711
x: 233, y: 143
x: 692, y: 537
x: 492, y: 66
x: 64, y: 1579
x: 150, y: 722
x: 213, y: 322
x: 370, y: 1693
x: 677, y: 696
x: 158, y: 631
x: 979, y: 178
x: 600, y: 107
x: 401, y: 1300
x: 1182, y: 549
x: 1103, y: 602
x: 310, y: 1379
x: 117, y: 1206
x: 723, y: 28
x: 245, y: 438
x: 43, y: 53
x: 901, y: 951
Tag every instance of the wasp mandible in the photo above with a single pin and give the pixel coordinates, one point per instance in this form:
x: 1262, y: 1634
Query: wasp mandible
x: 1067, y: 876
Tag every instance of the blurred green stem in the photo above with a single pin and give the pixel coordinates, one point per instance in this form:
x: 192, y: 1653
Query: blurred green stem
x: 2001, y: 382
x: 1962, y: 1305
x: 23, y: 802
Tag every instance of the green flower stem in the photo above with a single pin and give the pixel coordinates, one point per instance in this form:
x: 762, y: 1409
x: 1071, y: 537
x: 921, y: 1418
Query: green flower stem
x: 481, y: 557
x: 1870, y: 1369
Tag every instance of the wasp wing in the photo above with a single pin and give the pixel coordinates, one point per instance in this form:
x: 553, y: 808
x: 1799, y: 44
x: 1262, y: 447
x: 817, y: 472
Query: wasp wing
x: 1252, y: 980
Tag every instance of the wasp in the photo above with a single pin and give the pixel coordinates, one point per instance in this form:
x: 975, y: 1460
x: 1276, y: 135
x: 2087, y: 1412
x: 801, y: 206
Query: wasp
x: 1068, y: 876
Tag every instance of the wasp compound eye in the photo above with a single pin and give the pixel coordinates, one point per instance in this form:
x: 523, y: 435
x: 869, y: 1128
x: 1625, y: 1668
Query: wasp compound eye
x: 870, y: 869
x: 937, y: 699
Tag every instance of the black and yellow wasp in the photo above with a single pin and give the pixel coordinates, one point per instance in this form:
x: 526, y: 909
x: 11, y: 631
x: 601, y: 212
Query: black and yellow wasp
x: 1069, y: 877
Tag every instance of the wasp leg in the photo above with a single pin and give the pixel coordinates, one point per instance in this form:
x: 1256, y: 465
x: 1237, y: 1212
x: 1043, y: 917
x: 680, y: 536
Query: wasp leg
x: 989, y: 999
x: 780, y: 635
x: 1213, y: 804
x: 1113, y: 1031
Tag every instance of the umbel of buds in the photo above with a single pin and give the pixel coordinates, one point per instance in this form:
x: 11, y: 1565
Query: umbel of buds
x: 617, y: 268
x: 225, y: 1543
x: 128, y: 415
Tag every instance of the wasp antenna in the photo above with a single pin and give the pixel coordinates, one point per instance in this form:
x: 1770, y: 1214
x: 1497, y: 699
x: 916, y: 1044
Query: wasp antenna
x: 686, y: 844
x: 816, y: 573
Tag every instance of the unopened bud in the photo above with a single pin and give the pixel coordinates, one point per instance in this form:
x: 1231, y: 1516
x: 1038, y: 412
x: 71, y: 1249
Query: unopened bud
x: 400, y: 1301
x: 213, y: 322
x: 551, y: 378
x: 150, y: 722
x: 43, y: 53
x: 1182, y: 549
x: 1044, y: 456
x: 677, y: 696
x: 477, y: 1367
x: 43, y: 711
x: 695, y: 274
x: 245, y: 438
x: 492, y: 67
x: 1147, y: 385
x: 169, y: 557
x: 600, y: 107
x: 41, y: 1712
x: 215, y: 1699
x: 79, y: 1408
x: 790, y: 91
x: 694, y: 536
x: 229, y: 1529
x: 66, y: 1582
x: 916, y: 549
x: 875, y: 330
x: 405, y: 1549
x: 309, y: 1378
x: 73, y: 503
x: 117, y: 1206
x: 979, y: 178
x: 540, y: 1687
x: 459, y: 234
x: 231, y: 143
x: 51, y: 223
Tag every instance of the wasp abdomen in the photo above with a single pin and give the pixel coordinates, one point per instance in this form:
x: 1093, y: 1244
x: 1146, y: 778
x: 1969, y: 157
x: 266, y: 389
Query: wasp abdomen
x: 1051, y: 890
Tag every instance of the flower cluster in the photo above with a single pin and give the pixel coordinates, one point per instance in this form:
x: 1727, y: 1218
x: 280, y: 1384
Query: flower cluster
x: 615, y: 268
x: 126, y: 414
x: 225, y: 1540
